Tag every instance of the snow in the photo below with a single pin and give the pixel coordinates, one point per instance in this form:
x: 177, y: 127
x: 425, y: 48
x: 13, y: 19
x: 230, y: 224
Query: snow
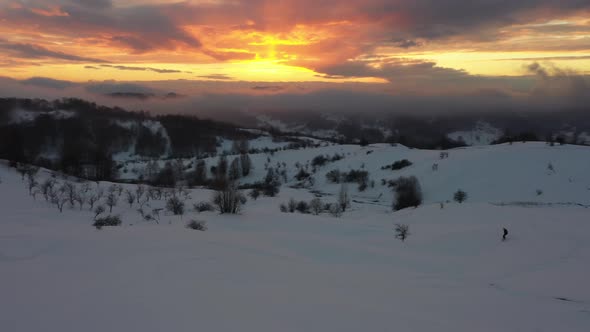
x: 264, y: 270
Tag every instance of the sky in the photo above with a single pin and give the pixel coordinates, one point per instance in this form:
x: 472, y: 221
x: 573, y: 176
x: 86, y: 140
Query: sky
x: 198, y: 54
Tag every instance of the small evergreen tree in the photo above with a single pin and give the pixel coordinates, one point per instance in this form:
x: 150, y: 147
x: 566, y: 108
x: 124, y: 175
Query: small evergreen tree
x: 407, y: 193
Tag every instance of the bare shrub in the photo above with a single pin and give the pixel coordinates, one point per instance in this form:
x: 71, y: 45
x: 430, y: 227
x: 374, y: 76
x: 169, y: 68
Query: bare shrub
x: 229, y: 199
x: 203, y: 207
x: 335, y: 210
x: 197, y: 225
x: 107, y: 221
x: 175, y: 205
x: 402, y: 231
x: 316, y: 206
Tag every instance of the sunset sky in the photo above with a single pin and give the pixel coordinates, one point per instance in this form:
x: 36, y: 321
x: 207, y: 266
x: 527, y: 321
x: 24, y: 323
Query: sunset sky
x: 391, y: 47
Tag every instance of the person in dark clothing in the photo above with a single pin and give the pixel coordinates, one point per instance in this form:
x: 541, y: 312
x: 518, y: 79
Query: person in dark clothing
x: 505, y: 234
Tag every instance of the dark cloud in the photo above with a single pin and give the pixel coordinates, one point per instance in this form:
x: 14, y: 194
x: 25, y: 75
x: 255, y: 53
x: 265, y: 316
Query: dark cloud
x: 556, y: 85
x: 132, y: 68
x: 406, y: 43
x: 132, y: 91
x: 130, y: 95
x: 405, y: 75
x: 140, y: 27
x: 272, y: 88
x: 46, y: 82
x: 93, y: 3
x: 217, y: 77
x: 31, y: 51
x: 137, y: 44
x: 108, y: 88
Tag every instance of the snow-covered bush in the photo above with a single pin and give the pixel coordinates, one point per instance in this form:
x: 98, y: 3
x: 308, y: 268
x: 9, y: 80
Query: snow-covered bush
x: 203, y: 207
x: 292, y: 205
x: 107, y: 221
x: 316, y: 206
x: 334, y: 176
x: 335, y: 210
x: 197, y: 225
x: 400, y: 164
x: 283, y: 208
x: 175, y: 205
x: 302, y: 207
x: 254, y: 193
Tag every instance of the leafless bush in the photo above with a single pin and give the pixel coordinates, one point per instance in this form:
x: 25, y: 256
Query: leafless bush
x: 229, y: 199
x: 175, y: 205
x: 402, y: 231
x: 316, y: 205
x: 197, y: 225
x: 335, y: 210
x: 107, y: 221
x: 203, y: 207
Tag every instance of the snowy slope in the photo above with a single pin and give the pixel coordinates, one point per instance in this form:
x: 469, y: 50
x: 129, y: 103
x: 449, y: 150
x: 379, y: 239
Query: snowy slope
x: 498, y: 173
x: 268, y: 271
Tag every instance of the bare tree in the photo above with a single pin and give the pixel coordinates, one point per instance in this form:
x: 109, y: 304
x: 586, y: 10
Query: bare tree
x: 81, y: 197
x: 343, y: 197
x: 98, y: 211
x: 58, y: 197
x: 95, y: 197
x: 139, y: 192
x: 70, y: 191
x: 235, y: 170
x: 246, y: 164
x: 130, y: 197
x: 200, y: 176
x: 32, y: 183
x: 47, y: 187
x: 111, y: 200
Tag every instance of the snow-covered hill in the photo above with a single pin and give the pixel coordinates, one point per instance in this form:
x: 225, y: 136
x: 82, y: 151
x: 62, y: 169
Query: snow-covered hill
x: 264, y: 270
x: 498, y: 173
